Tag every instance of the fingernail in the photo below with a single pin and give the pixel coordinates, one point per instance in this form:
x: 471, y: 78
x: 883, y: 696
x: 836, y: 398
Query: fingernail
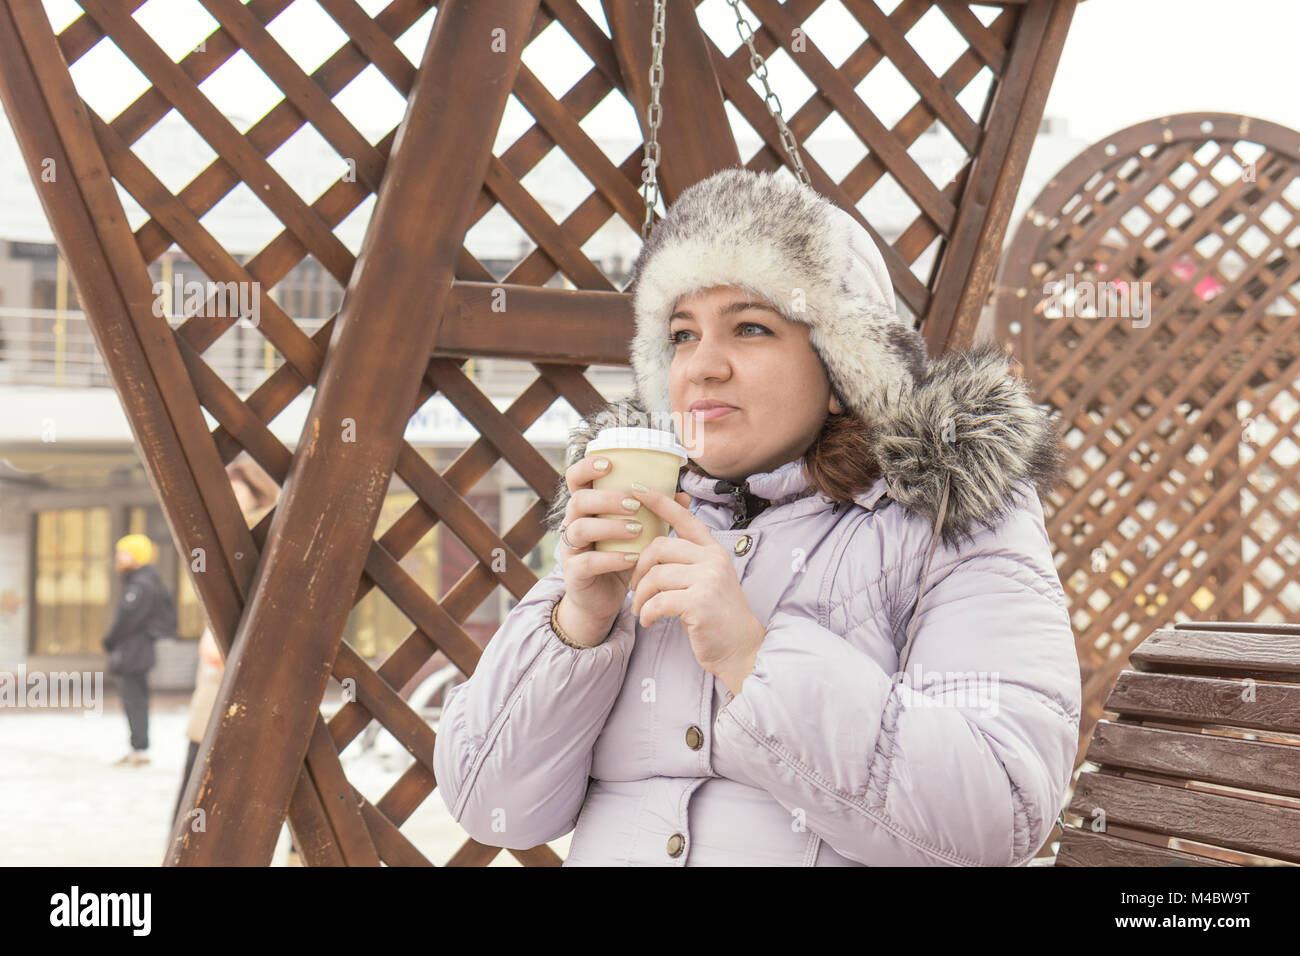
x: 600, y: 464
x: 637, y: 486
x: 633, y: 526
x: 631, y: 504
x: 630, y: 557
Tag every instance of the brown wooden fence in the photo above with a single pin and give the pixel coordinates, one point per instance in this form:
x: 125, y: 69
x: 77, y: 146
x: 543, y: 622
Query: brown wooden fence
x: 1152, y: 293
x: 419, y: 305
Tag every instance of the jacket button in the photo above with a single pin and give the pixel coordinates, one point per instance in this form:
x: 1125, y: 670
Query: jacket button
x: 675, y: 844
x: 694, y: 737
x: 743, y: 543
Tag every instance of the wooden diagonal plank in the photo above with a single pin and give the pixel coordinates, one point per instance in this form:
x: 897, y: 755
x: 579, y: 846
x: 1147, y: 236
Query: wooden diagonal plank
x: 695, y: 137
x: 377, y: 46
x: 209, y: 122
x: 918, y: 73
x: 138, y: 347
x: 563, y: 127
x: 305, y: 94
x: 274, y: 129
x: 214, y: 52
x: 982, y: 40
x: 201, y: 247
x: 969, y: 259
x: 528, y: 213
x: 831, y: 85
x: 318, y: 544
x: 338, y: 800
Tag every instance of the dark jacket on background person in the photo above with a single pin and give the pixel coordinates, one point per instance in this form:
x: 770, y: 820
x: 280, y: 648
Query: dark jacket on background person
x: 145, y: 613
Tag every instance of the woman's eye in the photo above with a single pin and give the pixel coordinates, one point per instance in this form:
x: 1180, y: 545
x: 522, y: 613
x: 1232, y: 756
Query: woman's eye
x: 674, y: 340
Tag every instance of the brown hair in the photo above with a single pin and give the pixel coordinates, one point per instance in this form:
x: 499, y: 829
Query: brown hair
x: 840, y: 462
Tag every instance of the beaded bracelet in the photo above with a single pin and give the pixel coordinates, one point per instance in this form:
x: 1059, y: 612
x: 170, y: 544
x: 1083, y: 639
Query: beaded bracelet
x: 555, y: 626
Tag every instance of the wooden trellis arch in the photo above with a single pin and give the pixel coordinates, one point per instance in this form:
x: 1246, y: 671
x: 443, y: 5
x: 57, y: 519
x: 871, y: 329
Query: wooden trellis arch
x: 1184, y: 423
x: 418, y: 305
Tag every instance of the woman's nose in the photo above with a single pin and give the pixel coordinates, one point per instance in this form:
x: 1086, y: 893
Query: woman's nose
x: 708, y: 359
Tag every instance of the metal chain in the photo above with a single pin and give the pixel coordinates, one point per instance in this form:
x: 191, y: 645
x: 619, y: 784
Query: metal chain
x: 759, y: 69
x: 650, y: 164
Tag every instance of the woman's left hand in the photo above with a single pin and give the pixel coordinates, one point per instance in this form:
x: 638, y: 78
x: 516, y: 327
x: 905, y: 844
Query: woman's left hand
x: 691, y: 577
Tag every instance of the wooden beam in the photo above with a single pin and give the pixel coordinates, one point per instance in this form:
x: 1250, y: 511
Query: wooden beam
x: 970, y: 258
x: 318, y: 543
x: 139, y: 348
x: 534, y: 324
x: 695, y: 137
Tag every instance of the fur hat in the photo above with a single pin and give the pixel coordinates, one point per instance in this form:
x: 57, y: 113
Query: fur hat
x: 954, y: 437
x: 781, y: 240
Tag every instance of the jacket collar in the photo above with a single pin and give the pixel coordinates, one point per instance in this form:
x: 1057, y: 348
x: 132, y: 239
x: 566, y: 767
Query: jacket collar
x: 953, y: 448
x: 775, y: 489
x: 789, y: 479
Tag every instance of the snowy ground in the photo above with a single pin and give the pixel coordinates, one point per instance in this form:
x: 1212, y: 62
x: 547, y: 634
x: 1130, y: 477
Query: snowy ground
x: 63, y: 803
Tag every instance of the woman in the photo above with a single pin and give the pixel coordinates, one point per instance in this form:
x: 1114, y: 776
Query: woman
x: 742, y: 702
x: 256, y: 493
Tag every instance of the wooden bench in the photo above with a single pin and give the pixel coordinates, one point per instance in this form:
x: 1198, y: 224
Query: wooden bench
x: 1202, y: 765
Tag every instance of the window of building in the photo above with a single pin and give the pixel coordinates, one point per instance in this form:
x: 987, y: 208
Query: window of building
x: 73, y: 583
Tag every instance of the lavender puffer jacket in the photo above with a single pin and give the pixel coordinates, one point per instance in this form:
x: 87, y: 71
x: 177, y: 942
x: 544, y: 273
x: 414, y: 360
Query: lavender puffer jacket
x: 824, y: 758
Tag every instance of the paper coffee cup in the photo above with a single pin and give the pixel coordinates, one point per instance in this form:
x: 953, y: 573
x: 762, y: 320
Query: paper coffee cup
x: 651, y: 456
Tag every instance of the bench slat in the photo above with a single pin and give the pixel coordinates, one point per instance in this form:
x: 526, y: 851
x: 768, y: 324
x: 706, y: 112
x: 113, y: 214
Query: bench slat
x: 1215, y: 819
x: 1082, y: 847
x: 1207, y: 700
x: 1256, y: 627
x: 1272, y: 656
x: 1248, y: 764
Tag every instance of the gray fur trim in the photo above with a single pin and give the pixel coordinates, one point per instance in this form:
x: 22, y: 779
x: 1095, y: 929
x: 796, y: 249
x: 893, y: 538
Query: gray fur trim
x: 972, y: 422
x: 996, y: 438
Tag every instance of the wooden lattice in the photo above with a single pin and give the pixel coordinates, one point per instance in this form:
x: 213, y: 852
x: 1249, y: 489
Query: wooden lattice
x: 419, y: 305
x: 1180, y: 502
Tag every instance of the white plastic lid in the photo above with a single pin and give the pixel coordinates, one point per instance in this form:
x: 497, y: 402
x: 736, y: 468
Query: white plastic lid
x: 649, y: 439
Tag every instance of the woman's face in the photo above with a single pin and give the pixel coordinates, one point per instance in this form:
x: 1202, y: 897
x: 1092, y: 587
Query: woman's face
x: 734, y: 347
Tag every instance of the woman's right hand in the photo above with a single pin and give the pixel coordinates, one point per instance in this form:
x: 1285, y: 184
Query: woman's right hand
x: 596, y: 582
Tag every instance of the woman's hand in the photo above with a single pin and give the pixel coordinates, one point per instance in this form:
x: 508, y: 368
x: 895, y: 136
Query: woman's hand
x: 691, y: 577
x: 595, y: 582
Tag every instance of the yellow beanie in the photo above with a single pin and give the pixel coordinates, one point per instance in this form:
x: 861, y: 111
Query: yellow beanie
x: 139, y: 546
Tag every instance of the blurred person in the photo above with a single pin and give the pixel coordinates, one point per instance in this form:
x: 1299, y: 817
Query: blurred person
x: 145, y: 613
x: 256, y: 494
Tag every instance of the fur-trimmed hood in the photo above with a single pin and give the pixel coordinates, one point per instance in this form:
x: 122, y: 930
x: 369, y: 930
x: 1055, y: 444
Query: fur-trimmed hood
x: 968, y: 422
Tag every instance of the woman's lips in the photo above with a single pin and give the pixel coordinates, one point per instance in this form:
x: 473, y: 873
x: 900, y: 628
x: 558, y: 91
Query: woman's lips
x: 709, y: 414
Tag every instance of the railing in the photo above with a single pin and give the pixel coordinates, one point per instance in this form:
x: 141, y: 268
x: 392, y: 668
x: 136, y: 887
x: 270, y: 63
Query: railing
x: 48, y: 347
